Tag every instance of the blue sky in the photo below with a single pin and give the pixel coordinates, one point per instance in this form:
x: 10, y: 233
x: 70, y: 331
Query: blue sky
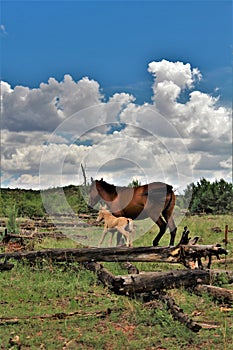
x: 113, y: 41
x: 71, y: 70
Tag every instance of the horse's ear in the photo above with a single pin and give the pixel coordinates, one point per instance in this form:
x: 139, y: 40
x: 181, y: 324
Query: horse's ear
x: 101, y: 179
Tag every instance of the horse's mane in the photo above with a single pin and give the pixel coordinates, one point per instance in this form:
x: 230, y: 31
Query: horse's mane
x: 108, y: 187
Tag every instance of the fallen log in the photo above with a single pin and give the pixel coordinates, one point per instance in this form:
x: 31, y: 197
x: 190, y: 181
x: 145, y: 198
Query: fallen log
x: 7, y: 237
x: 6, y: 266
x: 223, y: 261
x: 188, y: 255
x: 217, y: 275
x: 221, y: 294
x: 105, y: 276
x: 149, y: 281
x: 110, y: 281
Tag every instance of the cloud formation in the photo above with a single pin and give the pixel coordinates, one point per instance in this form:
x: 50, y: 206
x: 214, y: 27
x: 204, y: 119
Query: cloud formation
x: 3, y: 31
x: 182, y: 135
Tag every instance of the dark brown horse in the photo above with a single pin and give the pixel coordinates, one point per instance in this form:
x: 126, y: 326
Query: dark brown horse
x: 155, y: 200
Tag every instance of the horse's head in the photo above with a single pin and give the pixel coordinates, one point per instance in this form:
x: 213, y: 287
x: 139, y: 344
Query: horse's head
x: 94, y: 196
x: 101, y: 190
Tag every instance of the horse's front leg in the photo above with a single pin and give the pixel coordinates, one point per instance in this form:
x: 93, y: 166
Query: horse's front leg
x: 162, y: 226
x: 103, y: 235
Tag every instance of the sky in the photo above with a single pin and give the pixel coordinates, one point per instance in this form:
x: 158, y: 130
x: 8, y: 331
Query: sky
x: 129, y: 89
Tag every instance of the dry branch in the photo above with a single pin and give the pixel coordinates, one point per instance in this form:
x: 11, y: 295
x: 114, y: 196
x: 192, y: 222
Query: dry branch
x: 178, y: 313
x: 58, y: 315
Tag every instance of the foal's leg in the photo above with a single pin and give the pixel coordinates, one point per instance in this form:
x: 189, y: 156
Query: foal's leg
x: 124, y: 233
x: 103, y: 235
x: 112, y: 232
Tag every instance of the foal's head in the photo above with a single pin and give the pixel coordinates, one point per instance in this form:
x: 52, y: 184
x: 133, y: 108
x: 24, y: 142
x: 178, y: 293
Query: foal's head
x: 102, y: 213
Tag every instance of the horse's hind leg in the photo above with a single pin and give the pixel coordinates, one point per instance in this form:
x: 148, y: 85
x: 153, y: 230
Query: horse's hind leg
x: 120, y: 239
x: 171, y: 224
x: 167, y: 214
x: 162, y: 225
x: 173, y: 229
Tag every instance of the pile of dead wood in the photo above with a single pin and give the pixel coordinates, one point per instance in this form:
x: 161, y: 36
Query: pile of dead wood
x: 147, y: 285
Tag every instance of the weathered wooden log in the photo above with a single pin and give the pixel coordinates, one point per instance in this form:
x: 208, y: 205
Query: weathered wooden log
x: 110, y: 281
x: 149, y: 281
x: 10, y: 236
x: 180, y: 254
x: 178, y: 313
x: 6, y: 266
x: 224, y: 261
x: 217, y: 275
x: 221, y: 294
x: 105, y: 276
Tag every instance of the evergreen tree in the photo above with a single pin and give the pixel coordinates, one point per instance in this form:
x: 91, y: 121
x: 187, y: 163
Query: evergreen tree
x: 216, y: 197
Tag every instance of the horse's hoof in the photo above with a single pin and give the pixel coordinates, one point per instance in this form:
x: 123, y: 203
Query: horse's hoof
x: 155, y: 244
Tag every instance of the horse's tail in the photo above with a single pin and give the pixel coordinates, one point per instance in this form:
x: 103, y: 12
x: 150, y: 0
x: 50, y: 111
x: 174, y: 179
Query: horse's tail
x: 130, y: 225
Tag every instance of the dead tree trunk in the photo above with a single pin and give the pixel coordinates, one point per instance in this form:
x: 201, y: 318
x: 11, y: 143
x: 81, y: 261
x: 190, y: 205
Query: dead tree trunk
x: 221, y: 294
x: 187, y: 255
x: 149, y: 281
x: 161, y: 281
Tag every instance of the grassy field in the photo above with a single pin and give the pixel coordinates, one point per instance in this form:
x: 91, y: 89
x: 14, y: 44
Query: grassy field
x: 91, y: 317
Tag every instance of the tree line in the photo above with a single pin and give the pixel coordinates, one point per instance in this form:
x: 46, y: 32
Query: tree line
x: 208, y: 197
x: 203, y: 196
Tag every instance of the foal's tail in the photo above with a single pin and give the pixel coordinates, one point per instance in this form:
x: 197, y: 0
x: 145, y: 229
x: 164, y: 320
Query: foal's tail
x: 130, y: 225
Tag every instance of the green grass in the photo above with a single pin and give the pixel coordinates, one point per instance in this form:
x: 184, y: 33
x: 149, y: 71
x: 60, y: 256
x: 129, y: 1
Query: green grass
x: 26, y: 292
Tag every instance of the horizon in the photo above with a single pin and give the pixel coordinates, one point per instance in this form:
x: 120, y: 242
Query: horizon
x: 129, y: 89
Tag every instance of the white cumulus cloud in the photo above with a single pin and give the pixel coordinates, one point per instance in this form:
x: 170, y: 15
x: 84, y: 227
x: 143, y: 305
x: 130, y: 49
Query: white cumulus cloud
x: 61, y: 124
